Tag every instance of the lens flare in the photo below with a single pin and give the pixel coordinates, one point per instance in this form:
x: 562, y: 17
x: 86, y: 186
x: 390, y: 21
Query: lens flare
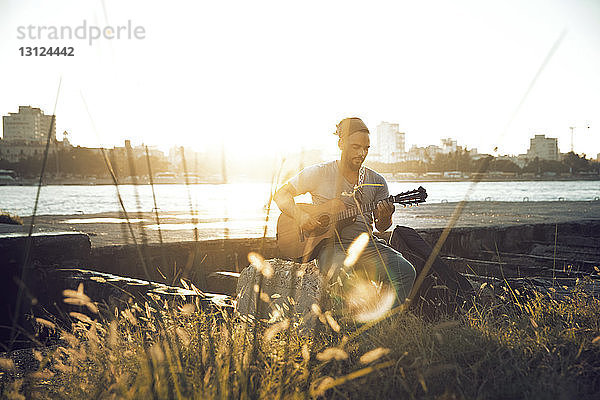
x: 367, y: 301
x: 356, y: 249
x: 261, y: 265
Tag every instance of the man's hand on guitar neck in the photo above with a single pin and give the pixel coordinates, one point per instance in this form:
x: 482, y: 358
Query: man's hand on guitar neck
x: 383, y: 215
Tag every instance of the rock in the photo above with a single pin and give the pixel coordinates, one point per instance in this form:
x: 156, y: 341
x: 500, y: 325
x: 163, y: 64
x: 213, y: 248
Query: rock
x: 277, y: 289
x: 44, y: 299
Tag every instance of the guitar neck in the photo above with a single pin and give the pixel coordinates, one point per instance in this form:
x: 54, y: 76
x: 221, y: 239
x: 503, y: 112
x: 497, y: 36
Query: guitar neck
x: 407, y: 198
x: 353, y: 212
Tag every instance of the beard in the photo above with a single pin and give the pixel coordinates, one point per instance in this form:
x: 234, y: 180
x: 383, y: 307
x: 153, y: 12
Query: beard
x: 354, y: 164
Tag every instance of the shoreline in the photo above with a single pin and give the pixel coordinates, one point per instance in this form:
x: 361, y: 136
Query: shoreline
x: 143, y: 182
x: 109, y: 228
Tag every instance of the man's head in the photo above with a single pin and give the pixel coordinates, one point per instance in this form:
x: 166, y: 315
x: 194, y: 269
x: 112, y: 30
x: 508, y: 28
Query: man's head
x: 353, y: 141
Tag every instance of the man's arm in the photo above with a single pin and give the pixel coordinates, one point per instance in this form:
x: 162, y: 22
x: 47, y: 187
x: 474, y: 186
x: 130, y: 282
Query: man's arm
x: 284, y: 198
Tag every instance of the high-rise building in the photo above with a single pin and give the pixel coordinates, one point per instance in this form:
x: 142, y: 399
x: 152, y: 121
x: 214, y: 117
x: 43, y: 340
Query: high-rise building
x: 543, y: 148
x: 390, y: 143
x: 28, y: 125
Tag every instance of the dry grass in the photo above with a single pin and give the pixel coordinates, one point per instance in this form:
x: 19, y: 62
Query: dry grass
x: 531, y: 348
x: 11, y: 219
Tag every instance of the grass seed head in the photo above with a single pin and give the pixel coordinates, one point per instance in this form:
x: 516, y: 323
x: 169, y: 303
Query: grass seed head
x: 113, y: 334
x: 37, y: 355
x: 273, y: 330
x: 332, y: 353
x: 81, y: 317
x: 7, y: 364
x: 373, y: 355
x: 305, y: 352
x: 261, y: 265
x: 187, y: 309
x: 184, y: 336
x: 331, y: 321
x: 156, y: 353
x: 321, y: 385
x: 265, y: 297
x: 316, y: 309
x: 46, y: 323
x: 42, y: 375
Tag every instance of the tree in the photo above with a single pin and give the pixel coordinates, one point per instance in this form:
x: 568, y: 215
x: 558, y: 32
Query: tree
x: 504, y: 166
x: 576, y: 163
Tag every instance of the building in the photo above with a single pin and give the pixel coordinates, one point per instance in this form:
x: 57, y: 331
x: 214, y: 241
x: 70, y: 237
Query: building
x: 449, y: 146
x: 543, y: 148
x: 16, y: 151
x: 191, y: 156
x: 390, y: 144
x: 28, y: 125
x: 25, y: 135
x: 425, y: 154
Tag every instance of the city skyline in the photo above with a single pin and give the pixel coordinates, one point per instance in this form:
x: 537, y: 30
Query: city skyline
x: 29, y: 126
x: 270, y: 77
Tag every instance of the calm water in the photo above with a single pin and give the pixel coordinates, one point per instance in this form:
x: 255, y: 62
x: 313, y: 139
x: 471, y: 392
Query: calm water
x: 247, y: 201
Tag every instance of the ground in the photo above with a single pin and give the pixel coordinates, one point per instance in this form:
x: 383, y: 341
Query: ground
x: 424, y: 216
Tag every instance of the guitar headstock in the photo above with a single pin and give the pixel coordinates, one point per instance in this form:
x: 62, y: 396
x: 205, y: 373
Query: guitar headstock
x: 410, y: 197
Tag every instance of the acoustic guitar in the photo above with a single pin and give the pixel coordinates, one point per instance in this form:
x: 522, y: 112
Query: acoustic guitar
x: 302, y: 246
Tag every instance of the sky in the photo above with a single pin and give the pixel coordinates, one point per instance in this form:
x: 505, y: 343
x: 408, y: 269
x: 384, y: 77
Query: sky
x: 267, y: 77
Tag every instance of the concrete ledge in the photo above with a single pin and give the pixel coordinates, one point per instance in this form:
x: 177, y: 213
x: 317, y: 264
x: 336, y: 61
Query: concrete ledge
x: 46, y: 247
x: 171, y: 261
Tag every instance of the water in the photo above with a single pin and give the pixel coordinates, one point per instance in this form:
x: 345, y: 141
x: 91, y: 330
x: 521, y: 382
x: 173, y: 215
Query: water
x: 247, y: 201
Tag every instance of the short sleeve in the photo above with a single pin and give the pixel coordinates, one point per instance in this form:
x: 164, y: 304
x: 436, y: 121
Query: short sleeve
x: 382, y: 191
x: 306, y: 180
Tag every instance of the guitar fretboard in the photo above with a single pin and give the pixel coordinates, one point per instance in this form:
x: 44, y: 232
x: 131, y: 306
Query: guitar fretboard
x: 406, y: 198
x: 353, y: 212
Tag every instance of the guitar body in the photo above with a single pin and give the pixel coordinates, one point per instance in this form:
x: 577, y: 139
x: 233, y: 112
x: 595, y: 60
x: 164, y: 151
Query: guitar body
x: 299, y: 245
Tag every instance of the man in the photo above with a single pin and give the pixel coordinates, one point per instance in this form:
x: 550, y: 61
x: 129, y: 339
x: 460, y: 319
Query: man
x: 349, y: 181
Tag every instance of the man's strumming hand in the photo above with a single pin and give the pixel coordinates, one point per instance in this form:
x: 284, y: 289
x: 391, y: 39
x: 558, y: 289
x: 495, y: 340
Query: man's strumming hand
x: 306, y: 221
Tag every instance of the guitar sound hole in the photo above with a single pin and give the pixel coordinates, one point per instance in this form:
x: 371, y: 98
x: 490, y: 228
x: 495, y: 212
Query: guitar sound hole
x: 324, y: 220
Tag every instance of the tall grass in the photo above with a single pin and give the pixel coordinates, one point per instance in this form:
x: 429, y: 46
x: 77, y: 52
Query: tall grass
x: 538, y: 347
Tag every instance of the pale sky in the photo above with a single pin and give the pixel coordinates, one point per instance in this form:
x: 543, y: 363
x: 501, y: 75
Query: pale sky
x: 266, y: 76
